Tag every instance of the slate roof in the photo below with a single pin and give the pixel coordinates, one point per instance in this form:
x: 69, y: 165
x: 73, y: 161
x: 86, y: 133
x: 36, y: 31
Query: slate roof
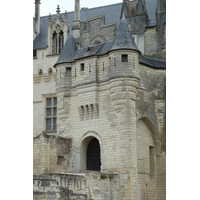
x: 111, y: 12
x: 67, y: 54
x: 123, y: 38
x: 153, y: 63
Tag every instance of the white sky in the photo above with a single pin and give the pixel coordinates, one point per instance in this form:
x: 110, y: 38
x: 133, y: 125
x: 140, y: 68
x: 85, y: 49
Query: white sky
x: 49, y: 6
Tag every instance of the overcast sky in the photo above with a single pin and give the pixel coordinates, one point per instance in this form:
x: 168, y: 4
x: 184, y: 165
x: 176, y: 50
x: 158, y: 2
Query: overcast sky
x: 49, y: 6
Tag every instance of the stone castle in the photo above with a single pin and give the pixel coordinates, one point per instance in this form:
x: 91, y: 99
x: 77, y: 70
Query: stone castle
x: 99, y: 102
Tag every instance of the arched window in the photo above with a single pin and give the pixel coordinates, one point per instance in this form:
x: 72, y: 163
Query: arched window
x: 93, y: 155
x: 57, y: 42
x: 54, y: 43
x: 61, y: 41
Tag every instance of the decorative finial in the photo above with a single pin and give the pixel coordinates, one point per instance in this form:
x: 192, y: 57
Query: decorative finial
x: 58, y: 10
x: 66, y: 15
x: 49, y: 18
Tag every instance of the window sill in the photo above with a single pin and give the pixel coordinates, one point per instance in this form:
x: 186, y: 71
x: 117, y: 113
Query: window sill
x: 50, y: 132
x: 52, y: 55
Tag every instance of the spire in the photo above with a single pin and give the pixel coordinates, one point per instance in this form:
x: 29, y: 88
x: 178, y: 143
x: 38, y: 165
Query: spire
x: 123, y: 38
x: 140, y: 8
x: 66, y: 16
x: 68, y: 52
x: 125, y: 9
x: 58, y: 10
x: 49, y: 19
x: 161, y: 12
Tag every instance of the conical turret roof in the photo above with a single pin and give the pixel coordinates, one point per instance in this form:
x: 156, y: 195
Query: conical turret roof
x: 123, y: 38
x: 68, y: 52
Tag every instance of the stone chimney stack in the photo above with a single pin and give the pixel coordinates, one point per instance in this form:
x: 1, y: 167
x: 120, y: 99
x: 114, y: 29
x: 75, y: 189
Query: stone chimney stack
x: 77, y: 10
x: 76, y: 22
x: 37, y: 16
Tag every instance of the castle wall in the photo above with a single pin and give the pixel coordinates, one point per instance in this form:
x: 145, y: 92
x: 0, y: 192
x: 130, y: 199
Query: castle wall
x: 155, y: 42
x: 97, y: 31
x: 90, y: 185
x: 121, y: 104
x: 44, y: 81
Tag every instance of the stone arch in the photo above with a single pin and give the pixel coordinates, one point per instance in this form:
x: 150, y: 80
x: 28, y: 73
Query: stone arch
x: 98, y: 39
x: 50, y: 70
x: 153, y: 131
x: 40, y: 71
x: 147, y: 151
x: 88, y: 141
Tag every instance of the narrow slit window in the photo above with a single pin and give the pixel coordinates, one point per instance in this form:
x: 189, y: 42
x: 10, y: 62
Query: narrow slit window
x: 89, y: 68
x: 115, y: 62
x: 82, y: 112
x: 92, y: 111
x: 151, y: 162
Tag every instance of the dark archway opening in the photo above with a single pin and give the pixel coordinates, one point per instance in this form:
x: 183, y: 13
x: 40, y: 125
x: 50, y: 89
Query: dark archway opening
x: 93, y: 155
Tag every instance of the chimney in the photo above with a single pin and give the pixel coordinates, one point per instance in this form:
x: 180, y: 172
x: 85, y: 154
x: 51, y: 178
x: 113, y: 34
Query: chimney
x: 37, y: 16
x: 77, y: 10
x: 76, y: 22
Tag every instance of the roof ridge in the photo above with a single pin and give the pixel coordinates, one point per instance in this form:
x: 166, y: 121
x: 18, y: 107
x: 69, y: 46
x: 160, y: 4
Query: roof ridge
x: 62, y: 13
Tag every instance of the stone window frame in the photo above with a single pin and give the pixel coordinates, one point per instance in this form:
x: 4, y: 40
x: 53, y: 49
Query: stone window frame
x: 82, y: 67
x: 124, y: 58
x: 51, y: 113
x: 57, y: 41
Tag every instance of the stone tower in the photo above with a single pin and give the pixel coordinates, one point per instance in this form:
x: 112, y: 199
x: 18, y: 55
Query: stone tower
x: 100, y: 110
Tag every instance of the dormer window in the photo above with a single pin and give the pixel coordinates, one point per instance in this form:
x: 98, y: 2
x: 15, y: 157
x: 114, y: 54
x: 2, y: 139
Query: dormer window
x: 124, y: 58
x: 58, y: 42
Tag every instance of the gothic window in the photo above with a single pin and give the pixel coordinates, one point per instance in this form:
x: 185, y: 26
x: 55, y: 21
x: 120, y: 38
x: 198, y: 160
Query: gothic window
x: 57, y: 42
x: 54, y: 46
x: 93, y: 155
x: 51, y: 114
x: 61, y: 41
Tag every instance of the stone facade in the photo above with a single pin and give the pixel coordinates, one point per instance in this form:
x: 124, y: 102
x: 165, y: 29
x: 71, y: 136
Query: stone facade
x: 100, y: 87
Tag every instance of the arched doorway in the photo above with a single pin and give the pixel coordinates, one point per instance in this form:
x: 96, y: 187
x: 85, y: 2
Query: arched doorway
x: 93, y: 161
